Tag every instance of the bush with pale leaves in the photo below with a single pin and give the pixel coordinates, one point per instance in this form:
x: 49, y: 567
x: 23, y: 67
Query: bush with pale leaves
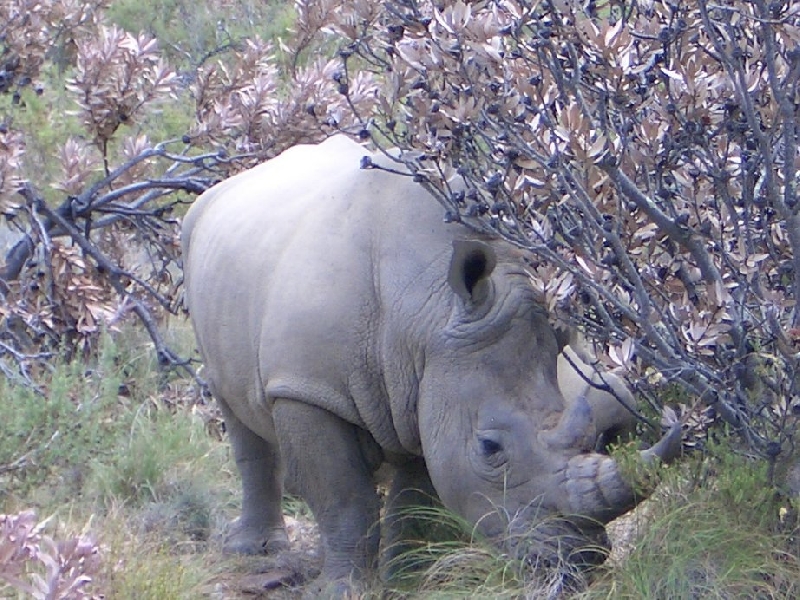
x: 645, y: 154
x: 40, y: 567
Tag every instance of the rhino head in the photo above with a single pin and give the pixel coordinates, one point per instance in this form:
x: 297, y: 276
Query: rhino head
x: 495, y: 429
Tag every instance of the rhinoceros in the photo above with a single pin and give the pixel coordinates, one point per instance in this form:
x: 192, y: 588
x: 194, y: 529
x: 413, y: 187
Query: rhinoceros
x: 344, y: 324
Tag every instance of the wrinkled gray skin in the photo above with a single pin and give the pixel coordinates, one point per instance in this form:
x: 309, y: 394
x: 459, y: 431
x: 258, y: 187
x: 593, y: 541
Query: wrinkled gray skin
x: 343, y: 324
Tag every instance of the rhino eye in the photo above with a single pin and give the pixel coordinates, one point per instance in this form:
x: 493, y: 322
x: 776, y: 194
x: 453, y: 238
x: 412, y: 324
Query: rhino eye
x: 490, y: 447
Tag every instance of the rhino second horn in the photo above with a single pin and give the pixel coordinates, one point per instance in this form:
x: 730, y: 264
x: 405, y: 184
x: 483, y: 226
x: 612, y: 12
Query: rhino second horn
x: 668, y: 447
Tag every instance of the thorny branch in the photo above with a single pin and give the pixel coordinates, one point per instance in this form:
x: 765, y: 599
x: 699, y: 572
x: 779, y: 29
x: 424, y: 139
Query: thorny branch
x: 131, y: 290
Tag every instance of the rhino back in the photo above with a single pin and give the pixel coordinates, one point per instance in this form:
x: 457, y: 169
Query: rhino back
x: 310, y: 278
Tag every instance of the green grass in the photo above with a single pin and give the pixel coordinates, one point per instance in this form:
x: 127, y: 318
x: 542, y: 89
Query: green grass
x: 155, y: 452
x: 148, y: 566
x: 714, y: 531
x: 93, y: 416
x: 52, y: 435
x: 699, y: 551
x: 448, y: 558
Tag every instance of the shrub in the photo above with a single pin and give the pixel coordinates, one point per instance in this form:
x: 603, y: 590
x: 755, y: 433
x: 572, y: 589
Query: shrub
x: 34, y: 564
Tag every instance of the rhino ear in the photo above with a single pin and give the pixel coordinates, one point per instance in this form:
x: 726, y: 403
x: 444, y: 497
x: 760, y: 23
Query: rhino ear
x: 470, y: 267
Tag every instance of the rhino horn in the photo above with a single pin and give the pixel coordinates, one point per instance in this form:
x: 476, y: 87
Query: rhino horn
x: 668, y: 447
x: 595, y: 487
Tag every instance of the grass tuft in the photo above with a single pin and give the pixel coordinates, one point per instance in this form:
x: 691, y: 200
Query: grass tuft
x: 150, y: 457
x: 449, y: 558
x: 713, y: 531
x: 146, y: 566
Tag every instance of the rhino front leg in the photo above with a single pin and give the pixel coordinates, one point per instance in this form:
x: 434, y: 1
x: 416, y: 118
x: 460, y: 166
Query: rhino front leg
x: 406, y: 522
x: 260, y: 528
x: 326, y: 465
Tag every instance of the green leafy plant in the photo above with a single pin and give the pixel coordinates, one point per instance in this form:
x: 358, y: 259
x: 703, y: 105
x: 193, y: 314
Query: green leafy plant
x: 155, y: 445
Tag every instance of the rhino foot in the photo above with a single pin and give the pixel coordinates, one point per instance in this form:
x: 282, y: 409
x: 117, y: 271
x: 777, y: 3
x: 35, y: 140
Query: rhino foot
x: 252, y: 540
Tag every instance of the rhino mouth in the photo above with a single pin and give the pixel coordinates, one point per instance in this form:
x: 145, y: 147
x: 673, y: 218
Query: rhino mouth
x: 557, y: 541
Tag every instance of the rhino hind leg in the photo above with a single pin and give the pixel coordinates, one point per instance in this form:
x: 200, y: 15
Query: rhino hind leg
x: 260, y: 528
x: 407, y: 523
x: 327, y: 465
